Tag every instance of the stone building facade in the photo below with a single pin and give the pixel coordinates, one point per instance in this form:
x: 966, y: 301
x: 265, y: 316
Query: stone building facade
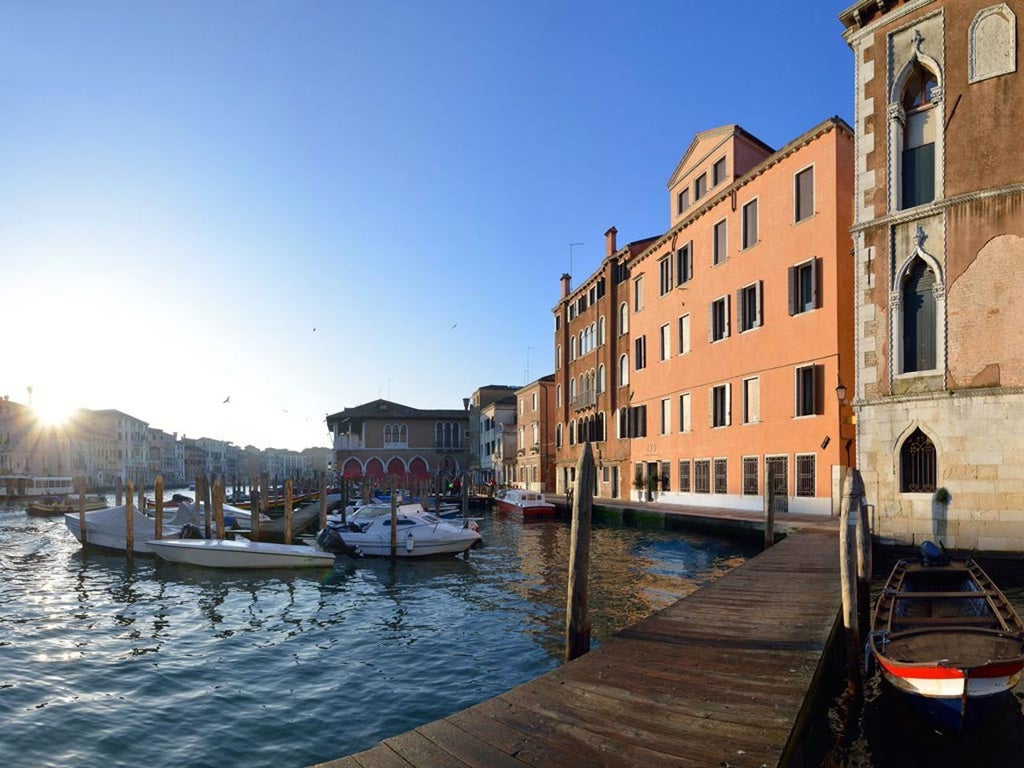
x: 939, y: 252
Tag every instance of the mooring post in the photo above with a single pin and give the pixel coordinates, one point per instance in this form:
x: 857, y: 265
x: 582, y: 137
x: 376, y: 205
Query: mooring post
x: 848, y: 511
x: 323, y: 502
x: 81, y: 510
x: 577, y: 624
x: 769, y: 505
x: 208, y: 504
x: 118, y: 492
x: 254, y: 508
x: 394, y: 519
x: 864, y: 565
x: 288, y: 511
x: 218, y: 507
x: 129, y: 523
x: 142, y: 497
x: 158, y: 499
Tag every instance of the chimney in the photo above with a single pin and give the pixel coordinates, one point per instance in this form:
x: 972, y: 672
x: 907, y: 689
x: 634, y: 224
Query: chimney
x: 609, y: 241
x: 465, y: 403
x: 566, y: 282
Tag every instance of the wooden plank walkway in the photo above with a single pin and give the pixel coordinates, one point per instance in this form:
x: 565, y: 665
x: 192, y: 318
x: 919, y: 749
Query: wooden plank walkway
x: 720, y: 678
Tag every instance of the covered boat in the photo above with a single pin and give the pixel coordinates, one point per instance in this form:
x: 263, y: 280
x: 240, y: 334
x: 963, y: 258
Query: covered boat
x: 419, y: 533
x: 944, y: 634
x: 529, y: 504
x: 107, y: 528
x: 240, y: 553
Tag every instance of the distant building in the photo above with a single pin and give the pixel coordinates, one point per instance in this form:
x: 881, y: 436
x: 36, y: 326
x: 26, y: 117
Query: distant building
x: 939, y: 254
x: 535, y: 433
x: 382, y: 438
x: 492, y: 418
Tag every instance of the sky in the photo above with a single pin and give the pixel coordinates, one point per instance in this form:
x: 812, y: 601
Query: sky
x: 305, y: 206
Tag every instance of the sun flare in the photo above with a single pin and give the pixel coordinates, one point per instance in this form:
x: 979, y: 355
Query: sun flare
x: 53, y: 413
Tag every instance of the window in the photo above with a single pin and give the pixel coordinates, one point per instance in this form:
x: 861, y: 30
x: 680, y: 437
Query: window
x: 640, y: 352
x: 572, y: 433
x: 622, y: 425
x: 666, y: 342
x: 665, y: 475
x: 535, y: 427
x: 918, y: 157
x: 748, y: 306
x: 810, y: 390
x: 751, y: 400
x: 638, y: 421
x: 664, y: 275
x: 572, y: 393
x: 558, y: 356
x: 684, y: 475
x: 682, y: 200
x: 803, y: 194
x: 721, y: 475
x: 684, y: 412
x: 718, y: 322
x: 666, y: 416
x: 805, y: 474
x: 520, y: 407
x: 638, y: 293
x: 718, y: 172
x: 750, y: 483
x: 719, y: 253
x: 572, y: 311
x: 623, y: 370
x: 684, y: 334
x: 572, y: 348
x: 917, y: 464
x: 720, y: 406
x: 805, y: 287
x: 750, y: 224
x: 684, y: 264
x: 919, y: 318
x: 600, y: 331
x: 700, y: 187
x: 702, y: 475
x: 623, y: 318
x: 600, y: 378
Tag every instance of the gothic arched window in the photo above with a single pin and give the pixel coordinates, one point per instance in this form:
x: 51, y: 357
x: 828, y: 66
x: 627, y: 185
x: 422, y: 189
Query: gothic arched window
x: 919, y: 318
x: 917, y: 464
x: 918, y: 159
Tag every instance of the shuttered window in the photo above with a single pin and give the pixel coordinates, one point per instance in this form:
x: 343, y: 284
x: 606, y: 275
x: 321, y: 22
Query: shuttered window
x: 809, y: 390
x: 748, y: 306
x: 805, y: 287
x: 750, y: 224
x: 719, y: 245
x: 803, y: 195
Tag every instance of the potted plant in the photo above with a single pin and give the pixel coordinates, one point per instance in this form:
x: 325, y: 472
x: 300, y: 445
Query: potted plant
x: 652, y: 486
x: 639, y: 485
x: 942, y: 496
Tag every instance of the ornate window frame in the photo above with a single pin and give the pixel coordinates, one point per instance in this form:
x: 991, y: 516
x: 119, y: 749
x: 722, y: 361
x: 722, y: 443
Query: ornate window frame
x: 896, y: 311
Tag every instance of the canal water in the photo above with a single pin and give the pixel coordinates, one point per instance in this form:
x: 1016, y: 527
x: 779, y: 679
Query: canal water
x: 108, y: 664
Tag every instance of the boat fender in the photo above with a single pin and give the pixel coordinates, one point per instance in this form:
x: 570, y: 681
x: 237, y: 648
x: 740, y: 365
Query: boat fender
x: 410, y: 543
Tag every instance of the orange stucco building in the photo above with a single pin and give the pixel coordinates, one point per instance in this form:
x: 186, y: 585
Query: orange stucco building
x: 728, y: 336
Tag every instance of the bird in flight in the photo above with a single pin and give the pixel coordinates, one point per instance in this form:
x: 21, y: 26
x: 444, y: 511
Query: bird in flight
x: 227, y: 399
x: 453, y: 326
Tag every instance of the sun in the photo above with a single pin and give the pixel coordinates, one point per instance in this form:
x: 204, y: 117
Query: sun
x: 53, y: 413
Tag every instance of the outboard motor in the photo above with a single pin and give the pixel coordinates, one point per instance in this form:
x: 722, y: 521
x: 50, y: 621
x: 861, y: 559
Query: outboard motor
x: 190, y: 531
x: 933, y: 555
x: 329, y: 540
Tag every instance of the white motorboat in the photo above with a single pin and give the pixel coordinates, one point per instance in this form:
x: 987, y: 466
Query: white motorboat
x: 419, y: 533
x: 529, y: 504
x: 240, y: 553
x: 107, y: 527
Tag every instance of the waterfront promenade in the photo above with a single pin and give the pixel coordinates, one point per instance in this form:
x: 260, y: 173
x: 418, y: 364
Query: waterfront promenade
x: 723, y: 677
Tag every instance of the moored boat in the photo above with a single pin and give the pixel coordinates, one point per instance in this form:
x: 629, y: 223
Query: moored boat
x: 14, y: 487
x: 107, y: 528
x: 529, y: 504
x: 60, y: 505
x: 240, y: 553
x: 419, y: 533
x: 945, y: 635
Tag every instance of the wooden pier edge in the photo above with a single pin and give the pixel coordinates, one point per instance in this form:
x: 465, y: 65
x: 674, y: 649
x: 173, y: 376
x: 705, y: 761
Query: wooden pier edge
x: 725, y: 676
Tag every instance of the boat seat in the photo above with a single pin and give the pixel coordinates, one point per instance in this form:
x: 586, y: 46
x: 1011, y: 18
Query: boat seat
x: 933, y: 595
x: 951, y: 620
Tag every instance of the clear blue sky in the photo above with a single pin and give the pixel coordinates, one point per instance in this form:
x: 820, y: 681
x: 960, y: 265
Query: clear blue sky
x: 188, y: 189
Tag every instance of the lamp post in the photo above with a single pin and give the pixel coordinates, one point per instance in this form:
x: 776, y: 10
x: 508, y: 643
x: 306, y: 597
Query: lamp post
x: 841, y: 397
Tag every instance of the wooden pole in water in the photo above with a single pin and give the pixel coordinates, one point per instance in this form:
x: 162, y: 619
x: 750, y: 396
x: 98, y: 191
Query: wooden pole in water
x: 323, y: 502
x: 218, y: 507
x: 142, y: 497
x: 118, y: 492
x: 848, y: 589
x: 577, y: 624
x: 129, y: 523
x: 81, y: 510
x: 158, y: 497
x: 769, y: 506
x: 254, y: 509
x: 864, y: 565
x: 394, y: 520
x: 288, y: 511
x: 208, y: 504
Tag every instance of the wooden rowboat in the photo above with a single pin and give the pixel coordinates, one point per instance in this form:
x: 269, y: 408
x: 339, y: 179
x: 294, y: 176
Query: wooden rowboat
x: 946, y: 636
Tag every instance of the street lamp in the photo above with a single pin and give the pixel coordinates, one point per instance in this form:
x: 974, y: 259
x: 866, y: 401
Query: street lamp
x: 841, y: 397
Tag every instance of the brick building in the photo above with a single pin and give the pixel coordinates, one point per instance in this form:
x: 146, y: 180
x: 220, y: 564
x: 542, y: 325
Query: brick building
x: 938, y: 223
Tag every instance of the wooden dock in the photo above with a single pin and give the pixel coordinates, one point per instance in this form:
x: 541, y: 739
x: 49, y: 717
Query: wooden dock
x: 720, y: 678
